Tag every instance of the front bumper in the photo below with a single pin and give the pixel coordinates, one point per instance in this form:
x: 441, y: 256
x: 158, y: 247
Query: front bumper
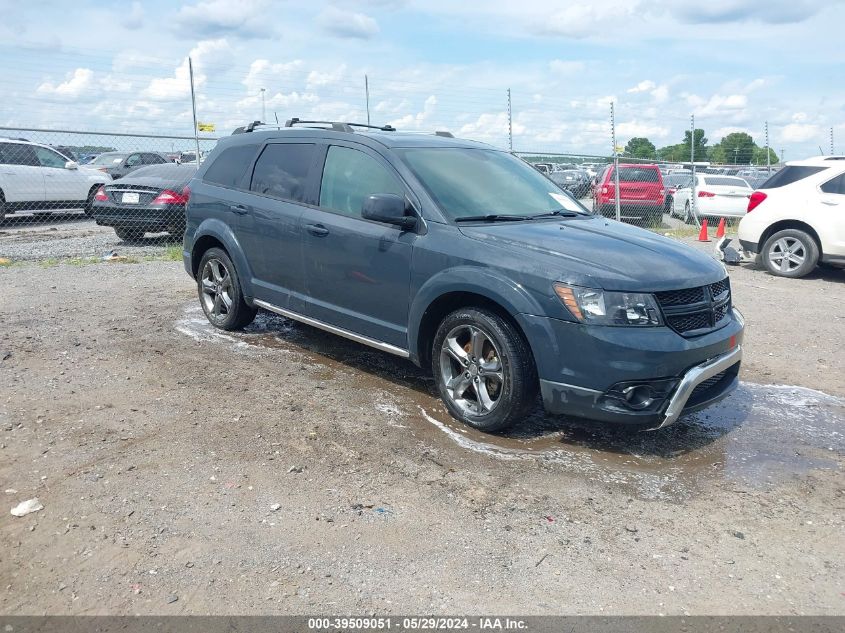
x: 644, y: 377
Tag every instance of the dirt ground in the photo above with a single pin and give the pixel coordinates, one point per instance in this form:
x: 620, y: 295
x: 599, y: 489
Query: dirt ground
x: 283, y: 470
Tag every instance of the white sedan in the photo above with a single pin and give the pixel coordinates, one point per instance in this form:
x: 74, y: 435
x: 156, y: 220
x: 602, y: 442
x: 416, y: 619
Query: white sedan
x: 715, y: 196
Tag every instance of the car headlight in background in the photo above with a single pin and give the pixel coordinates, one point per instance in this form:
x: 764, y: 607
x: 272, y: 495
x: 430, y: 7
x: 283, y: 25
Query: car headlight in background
x: 600, y: 307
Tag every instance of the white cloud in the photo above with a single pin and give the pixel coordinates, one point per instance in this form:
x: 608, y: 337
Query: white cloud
x: 265, y: 74
x: 639, y: 128
x: 661, y: 93
x: 80, y: 83
x: 580, y: 19
x: 643, y: 86
x: 178, y: 86
x: 718, y: 105
x: 417, y: 121
x: 347, y: 23
x: 800, y: 132
x: 213, y: 18
x: 317, y: 79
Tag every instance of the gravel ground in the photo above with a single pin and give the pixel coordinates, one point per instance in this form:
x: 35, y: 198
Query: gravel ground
x: 283, y: 470
x: 70, y: 236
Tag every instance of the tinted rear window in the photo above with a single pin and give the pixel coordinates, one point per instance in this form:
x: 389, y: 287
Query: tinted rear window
x: 790, y: 174
x: 725, y: 180
x: 228, y: 168
x: 835, y: 185
x: 282, y: 170
x: 635, y: 174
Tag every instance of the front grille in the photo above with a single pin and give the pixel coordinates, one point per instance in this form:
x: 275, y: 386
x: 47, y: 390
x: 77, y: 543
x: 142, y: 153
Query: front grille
x: 681, y: 297
x: 695, y: 311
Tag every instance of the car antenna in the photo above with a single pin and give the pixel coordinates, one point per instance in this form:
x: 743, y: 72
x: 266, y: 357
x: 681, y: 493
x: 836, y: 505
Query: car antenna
x: 277, y: 117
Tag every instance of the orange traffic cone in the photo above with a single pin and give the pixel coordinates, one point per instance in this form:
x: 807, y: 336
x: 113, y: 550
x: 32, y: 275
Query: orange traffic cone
x: 720, y: 232
x: 702, y: 235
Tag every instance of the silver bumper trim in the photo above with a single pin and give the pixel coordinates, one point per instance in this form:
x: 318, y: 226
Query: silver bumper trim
x: 695, y: 377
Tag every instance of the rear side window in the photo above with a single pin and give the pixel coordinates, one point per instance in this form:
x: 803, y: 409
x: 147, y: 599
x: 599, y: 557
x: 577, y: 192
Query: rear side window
x: 790, y: 174
x: 835, y: 185
x: 349, y: 176
x: 228, y: 168
x: 634, y: 174
x: 282, y: 171
x: 18, y: 154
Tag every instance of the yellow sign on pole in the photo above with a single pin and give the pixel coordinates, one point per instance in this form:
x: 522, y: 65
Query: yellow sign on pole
x: 205, y: 127
x: 619, y: 148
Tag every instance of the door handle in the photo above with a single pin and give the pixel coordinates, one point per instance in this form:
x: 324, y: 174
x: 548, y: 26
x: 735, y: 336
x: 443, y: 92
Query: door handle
x: 317, y: 229
x: 239, y: 209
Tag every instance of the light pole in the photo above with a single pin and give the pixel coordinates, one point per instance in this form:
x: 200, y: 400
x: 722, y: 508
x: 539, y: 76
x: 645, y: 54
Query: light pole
x: 263, y: 109
x: 736, y: 151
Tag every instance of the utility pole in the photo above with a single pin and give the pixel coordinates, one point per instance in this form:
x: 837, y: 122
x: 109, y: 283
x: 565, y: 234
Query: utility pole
x: 692, y: 168
x: 615, y: 164
x: 781, y: 156
x: 510, y: 122
x: 263, y: 108
x: 831, y: 141
x: 736, y: 152
x: 768, y: 160
x: 367, y: 96
x: 194, y: 108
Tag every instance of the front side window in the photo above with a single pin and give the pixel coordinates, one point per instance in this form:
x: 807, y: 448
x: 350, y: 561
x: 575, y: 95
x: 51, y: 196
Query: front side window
x: 49, y: 158
x: 349, y: 176
x: 134, y: 159
x: 282, y: 171
x: 468, y: 182
x: 835, y: 185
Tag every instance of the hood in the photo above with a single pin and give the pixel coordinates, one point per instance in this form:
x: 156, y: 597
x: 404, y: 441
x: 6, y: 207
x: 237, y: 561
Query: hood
x: 602, y: 253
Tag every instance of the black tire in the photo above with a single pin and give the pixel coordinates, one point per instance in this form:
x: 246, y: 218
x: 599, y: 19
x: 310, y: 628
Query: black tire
x: 798, y: 244
x: 688, y: 214
x: 129, y: 234
x: 515, y: 392
x: 237, y: 314
x: 88, y: 209
x: 669, y: 206
x: 2, y: 207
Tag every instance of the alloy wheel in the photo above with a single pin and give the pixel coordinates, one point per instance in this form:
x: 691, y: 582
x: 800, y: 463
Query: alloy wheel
x: 471, y: 370
x: 217, y: 291
x: 787, y: 254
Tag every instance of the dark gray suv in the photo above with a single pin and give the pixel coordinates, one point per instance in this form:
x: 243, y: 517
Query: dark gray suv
x: 464, y: 259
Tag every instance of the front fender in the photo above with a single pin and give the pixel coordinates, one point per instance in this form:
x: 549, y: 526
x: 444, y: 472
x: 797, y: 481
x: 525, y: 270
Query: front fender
x: 485, y: 282
x: 222, y: 232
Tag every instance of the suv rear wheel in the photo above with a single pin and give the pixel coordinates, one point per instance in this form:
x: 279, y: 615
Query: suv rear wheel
x: 790, y: 253
x: 484, y: 369
x: 220, y: 292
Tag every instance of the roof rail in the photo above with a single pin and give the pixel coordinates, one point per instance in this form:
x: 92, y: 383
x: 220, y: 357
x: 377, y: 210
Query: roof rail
x: 339, y: 126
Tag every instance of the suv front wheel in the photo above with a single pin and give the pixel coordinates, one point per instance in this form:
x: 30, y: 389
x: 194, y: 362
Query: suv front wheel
x: 220, y: 292
x: 484, y: 369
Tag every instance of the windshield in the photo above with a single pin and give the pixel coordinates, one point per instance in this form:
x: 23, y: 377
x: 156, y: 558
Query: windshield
x: 107, y: 159
x: 467, y: 182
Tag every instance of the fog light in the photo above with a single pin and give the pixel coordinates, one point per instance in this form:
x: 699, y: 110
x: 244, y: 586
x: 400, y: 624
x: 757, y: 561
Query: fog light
x: 638, y: 397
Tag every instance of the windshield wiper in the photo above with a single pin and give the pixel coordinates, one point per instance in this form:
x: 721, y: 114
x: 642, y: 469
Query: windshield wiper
x: 563, y: 213
x: 493, y: 217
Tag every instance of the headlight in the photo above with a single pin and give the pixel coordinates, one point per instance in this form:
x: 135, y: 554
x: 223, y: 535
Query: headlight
x: 599, y: 307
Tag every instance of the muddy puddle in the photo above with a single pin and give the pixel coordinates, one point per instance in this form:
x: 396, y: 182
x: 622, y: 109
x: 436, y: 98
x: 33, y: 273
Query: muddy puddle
x: 760, y: 436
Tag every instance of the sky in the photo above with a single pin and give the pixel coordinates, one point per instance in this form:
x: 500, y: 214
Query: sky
x: 732, y: 64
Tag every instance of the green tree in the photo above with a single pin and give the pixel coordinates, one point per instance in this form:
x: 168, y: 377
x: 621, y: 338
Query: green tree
x: 640, y: 147
x: 737, y: 148
x: 673, y: 153
x: 760, y: 156
x: 700, y: 144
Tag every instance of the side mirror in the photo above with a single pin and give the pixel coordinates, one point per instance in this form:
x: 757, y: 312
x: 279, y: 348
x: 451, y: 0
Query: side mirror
x: 389, y: 208
x: 71, y: 164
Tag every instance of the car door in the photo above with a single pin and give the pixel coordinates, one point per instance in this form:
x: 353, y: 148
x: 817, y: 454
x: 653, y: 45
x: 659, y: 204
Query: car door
x: 280, y: 188
x: 21, y: 177
x: 831, y: 216
x: 60, y: 184
x: 357, y: 271
x: 682, y: 196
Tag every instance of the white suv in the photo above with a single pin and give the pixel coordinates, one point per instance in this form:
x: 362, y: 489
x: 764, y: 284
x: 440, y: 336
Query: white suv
x: 37, y: 177
x: 796, y: 219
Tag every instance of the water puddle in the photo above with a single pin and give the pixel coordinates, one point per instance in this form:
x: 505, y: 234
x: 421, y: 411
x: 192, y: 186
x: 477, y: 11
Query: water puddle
x: 758, y: 437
